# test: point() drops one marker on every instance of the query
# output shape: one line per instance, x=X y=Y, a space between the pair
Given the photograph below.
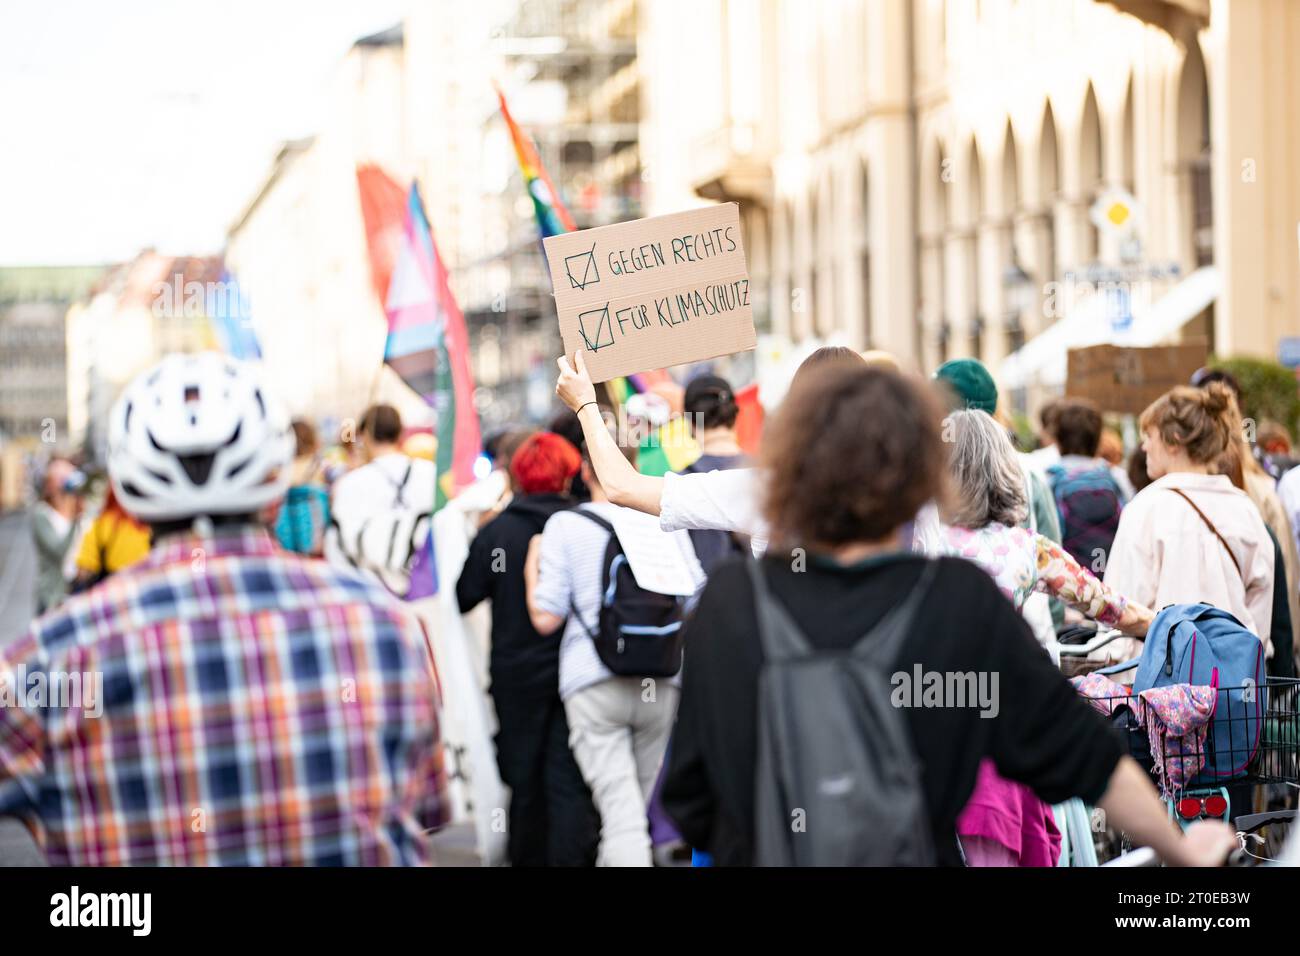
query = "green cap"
x=971 y=382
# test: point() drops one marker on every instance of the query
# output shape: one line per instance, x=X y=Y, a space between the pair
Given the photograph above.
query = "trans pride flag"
x=428 y=346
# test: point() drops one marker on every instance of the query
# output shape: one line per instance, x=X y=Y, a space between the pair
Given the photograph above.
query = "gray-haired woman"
x=1004 y=824
x=981 y=517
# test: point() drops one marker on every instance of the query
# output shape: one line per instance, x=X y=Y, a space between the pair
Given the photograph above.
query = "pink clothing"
x=985 y=852
x=1010 y=815
x=1164 y=554
x=1176 y=719
x=1020 y=562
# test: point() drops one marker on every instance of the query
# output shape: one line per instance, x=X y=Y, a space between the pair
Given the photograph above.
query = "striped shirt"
x=253 y=708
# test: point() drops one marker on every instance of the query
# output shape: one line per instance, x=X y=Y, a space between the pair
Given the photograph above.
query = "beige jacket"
x=1164 y=554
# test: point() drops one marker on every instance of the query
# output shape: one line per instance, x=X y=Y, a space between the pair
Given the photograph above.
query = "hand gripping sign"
x=654 y=292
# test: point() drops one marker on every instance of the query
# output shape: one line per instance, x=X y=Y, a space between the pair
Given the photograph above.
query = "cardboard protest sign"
x=654 y=292
x=1127 y=380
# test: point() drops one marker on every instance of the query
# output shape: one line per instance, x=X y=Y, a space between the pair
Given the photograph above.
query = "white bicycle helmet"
x=198 y=435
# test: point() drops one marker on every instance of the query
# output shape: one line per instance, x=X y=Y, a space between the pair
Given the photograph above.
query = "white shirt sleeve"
x=713 y=501
x=927 y=532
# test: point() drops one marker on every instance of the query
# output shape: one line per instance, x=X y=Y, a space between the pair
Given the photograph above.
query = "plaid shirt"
x=258 y=709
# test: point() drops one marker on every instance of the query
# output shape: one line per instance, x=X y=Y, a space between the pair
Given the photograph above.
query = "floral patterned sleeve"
x=1062 y=577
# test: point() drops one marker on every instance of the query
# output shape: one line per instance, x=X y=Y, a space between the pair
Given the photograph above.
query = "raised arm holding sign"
x=715 y=500
x=624 y=484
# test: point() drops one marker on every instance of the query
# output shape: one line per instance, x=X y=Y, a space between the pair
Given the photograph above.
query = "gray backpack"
x=838 y=782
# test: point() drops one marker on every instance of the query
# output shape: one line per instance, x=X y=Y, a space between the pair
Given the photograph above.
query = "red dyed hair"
x=545 y=463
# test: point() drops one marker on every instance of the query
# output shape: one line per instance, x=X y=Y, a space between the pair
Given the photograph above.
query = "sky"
x=129 y=123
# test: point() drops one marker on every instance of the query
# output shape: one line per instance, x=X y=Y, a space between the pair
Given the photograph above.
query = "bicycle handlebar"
x=1146 y=856
x=1103 y=638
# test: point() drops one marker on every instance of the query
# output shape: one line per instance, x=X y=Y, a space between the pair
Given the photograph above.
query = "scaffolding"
x=587 y=48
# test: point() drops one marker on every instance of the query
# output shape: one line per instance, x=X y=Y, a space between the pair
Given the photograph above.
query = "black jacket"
x=1044 y=735
x=521 y=660
x=1283 y=661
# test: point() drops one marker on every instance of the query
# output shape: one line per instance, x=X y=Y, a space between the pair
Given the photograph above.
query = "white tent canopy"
x=1042 y=360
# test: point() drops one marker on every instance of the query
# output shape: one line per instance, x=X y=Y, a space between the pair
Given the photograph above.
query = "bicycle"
x=1254 y=731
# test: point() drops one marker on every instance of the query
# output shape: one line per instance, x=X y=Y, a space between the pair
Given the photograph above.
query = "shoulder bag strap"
x=573 y=610
x=594 y=517
x=1210 y=524
x=400 y=500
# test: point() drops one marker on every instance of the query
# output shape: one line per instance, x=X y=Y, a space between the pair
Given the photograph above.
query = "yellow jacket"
x=113 y=542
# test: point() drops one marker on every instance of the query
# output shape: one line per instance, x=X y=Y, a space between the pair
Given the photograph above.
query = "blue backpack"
x=1205 y=645
x=304 y=516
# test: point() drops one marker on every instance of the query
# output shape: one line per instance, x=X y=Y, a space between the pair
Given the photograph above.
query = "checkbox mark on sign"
x=595 y=328
x=581 y=269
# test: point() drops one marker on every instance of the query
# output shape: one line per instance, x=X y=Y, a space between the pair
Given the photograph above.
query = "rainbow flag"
x=623 y=388
x=670 y=447
x=552 y=216
x=428 y=346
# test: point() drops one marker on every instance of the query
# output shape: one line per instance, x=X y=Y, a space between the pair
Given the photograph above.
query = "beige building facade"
x=920 y=175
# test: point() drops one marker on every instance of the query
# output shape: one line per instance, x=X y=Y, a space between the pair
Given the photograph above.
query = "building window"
x=1202 y=211
x=1015 y=334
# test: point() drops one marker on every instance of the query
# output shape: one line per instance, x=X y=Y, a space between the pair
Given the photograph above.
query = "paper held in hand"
x=661 y=561
x=654 y=292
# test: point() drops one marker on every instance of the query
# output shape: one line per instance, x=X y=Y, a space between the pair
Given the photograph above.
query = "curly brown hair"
x=851 y=455
x=1198 y=420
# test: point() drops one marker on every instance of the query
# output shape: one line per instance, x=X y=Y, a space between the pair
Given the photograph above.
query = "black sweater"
x=1043 y=735
x=521 y=660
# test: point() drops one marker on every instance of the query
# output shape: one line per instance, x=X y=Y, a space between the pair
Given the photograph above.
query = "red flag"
x=749 y=423
x=383 y=208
